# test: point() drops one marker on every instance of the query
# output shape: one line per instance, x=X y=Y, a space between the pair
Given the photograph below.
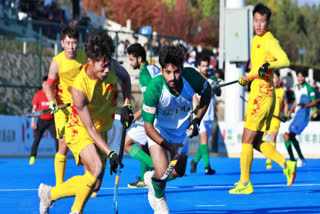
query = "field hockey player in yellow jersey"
x=63 y=69
x=261 y=101
x=94 y=96
x=281 y=104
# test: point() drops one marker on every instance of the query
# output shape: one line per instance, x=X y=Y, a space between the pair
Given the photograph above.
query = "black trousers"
x=42 y=125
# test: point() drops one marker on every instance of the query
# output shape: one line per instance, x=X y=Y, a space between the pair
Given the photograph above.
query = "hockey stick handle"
x=116 y=186
x=123 y=137
x=251 y=77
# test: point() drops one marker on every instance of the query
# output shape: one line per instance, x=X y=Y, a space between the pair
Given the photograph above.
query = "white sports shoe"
x=161 y=206
x=301 y=162
x=44 y=195
x=151 y=193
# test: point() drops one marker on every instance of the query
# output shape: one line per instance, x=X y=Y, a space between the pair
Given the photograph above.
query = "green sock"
x=144 y=168
x=140 y=155
x=198 y=155
x=205 y=154
x=295 y=143
x=159 y=188
x=289 y=149
x=170 y=178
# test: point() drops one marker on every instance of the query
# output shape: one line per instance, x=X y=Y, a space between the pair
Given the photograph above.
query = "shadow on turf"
x=291 y=210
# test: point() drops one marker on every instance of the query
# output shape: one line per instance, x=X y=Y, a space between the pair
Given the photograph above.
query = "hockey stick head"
x=26 y=111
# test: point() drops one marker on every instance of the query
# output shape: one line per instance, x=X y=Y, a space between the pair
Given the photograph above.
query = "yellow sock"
x=270 y=152
x=59 y=167
x=87 y=183
x=274 y=146
x=246 y=157
x=66 y=189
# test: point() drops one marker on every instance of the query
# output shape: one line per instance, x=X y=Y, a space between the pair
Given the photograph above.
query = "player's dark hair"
x=99 y=45
x=44 y=78
x=262 y=9
x=204 y=58
x=276 y=71
x=137 y=50
x=70 y=31
x=172 y=54
x=304 y=74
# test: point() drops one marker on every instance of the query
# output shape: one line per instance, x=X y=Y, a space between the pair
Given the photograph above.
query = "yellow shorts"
x=259 y=113
x=77 y=138
x=60 y=120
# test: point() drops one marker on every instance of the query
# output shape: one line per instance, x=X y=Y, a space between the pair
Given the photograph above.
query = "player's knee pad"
x=180 y=168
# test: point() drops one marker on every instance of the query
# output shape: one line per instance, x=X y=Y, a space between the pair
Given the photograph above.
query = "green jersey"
x=147 y=72
x=172 y=111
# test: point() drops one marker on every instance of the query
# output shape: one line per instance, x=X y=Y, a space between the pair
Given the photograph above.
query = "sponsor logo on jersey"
x=170 y=112
x=151 y=110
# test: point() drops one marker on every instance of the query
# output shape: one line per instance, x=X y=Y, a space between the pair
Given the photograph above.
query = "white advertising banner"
x=230 y=135
x=16 y=138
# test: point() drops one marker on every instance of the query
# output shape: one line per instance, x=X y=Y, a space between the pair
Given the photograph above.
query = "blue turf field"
x=195 y=193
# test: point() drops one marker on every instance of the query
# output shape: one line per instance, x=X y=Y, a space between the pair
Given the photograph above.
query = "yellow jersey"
x=261 y=101
x=68 y=70
x=264 y=49
x=102 y=99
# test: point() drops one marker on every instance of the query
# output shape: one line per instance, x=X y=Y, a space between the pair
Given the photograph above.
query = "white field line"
x=177 y=187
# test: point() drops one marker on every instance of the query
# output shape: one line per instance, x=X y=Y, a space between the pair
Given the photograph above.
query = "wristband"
x=51 y=82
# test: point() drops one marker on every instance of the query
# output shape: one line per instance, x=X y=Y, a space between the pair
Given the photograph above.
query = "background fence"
x=27 y=48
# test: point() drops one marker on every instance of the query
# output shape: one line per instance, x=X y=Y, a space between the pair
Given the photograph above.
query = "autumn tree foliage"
x=181 y=20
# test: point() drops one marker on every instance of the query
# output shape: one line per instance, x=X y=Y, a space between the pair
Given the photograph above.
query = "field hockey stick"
x=139 y=123
x=174 y=161
x=235 y=81
x=27 y=112
x=243 y=99
x=116 y=183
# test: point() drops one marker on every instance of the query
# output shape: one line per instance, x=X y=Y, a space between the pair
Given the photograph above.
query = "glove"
x=216 y=88
x=263 y=69
x=53 y=106
x=171 y=147
x=243 y=82
x=284 y=118
x=114 y=161
x=126 y=115
x=193 y=125
x=302 y=105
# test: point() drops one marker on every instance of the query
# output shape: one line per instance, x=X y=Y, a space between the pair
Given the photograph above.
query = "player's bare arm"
x=81 y=103
x=293 y=107
x=125 y=82
x=153 y=133
x=137 y=115
x=311 y=104
x=53 y=75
